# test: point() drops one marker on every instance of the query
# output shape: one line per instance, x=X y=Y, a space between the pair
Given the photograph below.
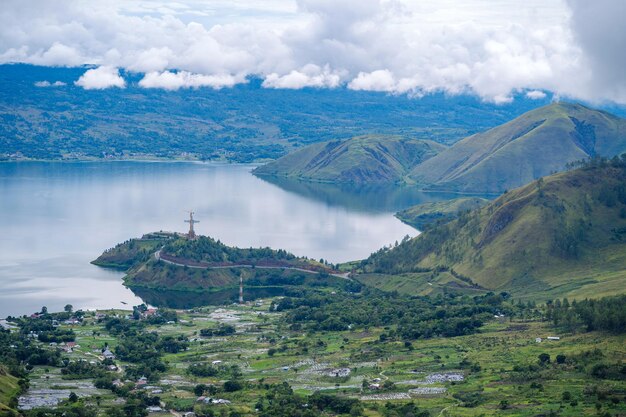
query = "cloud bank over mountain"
x=572 y=48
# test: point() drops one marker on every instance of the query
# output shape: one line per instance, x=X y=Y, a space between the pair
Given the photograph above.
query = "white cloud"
x=309 y=76
x=535 y=95
x=175 y=80
x=599 y=29
x=493 y=49
x=379 y=80
x=49 y=84
x=101 y=78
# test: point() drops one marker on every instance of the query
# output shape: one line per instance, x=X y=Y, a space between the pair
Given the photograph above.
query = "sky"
x=491 y=48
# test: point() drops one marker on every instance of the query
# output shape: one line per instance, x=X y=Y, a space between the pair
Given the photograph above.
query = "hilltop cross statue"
x=191 y=221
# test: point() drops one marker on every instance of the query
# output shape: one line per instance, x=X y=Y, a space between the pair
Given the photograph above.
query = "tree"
x=68 y=308
x=544 y=358
x=199 y=389
x=232 y=386
x=44 y=310
x=73 y=397
x=560 y=359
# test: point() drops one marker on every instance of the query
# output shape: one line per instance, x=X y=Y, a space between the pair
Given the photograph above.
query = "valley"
x=312 y=208
x=242 y=358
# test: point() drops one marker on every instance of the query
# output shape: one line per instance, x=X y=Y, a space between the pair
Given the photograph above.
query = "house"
x=108 y=354
x=156 y=391
x=554 y=338
x=117 y=383
x=141 y=382
x=189 y=414
x=374 y=386
x=538 y=340
x=216 y=401
x=70 y=346
x=112 y=368
x=154 y=409
x=216 y=362
x=221 y=401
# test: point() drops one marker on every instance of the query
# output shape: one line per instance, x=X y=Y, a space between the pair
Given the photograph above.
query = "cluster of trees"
x=608 y=314
x=82 y=369
x=281 y=401
x=144 y=349
x=206 y=249
x=44 y=325
x=18 y=353
x=413 y=317
x=221 y=330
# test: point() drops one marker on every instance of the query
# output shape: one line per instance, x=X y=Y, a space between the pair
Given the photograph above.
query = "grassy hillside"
x=427 y=214
x=9 y=388
x=535 y=144
x=563 y=235
x=363 y=159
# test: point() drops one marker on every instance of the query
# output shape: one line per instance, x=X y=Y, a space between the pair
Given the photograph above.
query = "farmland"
x=239 y=357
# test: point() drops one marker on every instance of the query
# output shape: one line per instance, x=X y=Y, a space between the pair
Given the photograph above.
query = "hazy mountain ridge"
x=564 y=234
x=240 y=124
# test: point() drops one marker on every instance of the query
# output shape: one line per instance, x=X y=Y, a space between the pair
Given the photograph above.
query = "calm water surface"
x=57 y=217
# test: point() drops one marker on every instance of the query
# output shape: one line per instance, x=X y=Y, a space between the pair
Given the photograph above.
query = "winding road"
x=157 y=256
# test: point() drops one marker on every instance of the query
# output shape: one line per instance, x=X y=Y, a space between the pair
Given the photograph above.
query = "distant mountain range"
x=45 y=116
x=562 y=235
x=539 y=142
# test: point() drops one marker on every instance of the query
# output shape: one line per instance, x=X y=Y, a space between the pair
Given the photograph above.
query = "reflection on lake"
x=377 y=198
x=57 y=217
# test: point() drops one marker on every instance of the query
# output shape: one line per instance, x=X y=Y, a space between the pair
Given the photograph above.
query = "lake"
x=56 y=217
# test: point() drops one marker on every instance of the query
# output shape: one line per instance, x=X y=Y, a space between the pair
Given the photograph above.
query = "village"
x=225 y=356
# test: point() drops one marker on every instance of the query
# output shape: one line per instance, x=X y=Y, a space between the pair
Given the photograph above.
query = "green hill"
x=563 y=235
x=538 y=143
x=363 y=159
x=168 y=261
x=425 y=215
